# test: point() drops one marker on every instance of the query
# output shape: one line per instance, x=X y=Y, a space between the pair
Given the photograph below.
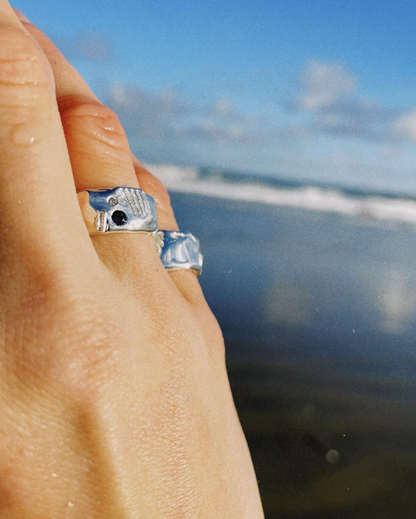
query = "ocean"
x=315 y=289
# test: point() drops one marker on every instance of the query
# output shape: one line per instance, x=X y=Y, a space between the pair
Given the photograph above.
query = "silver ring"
x=121 y=209
x=180 y=251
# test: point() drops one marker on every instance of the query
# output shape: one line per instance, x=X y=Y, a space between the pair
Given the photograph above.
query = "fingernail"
x=21 y=16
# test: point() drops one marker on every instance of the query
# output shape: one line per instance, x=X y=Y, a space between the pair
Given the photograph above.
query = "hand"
x=114 y=397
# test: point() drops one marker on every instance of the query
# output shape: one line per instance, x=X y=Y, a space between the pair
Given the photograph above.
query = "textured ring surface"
x=121 y=209
x=180 y=251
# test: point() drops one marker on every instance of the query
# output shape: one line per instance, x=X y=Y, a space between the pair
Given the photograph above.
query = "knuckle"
x=26 y=81
x=216 y=336
x=161 y=192
x=85 y=364
x=22 y=63
x=93 y=120
x=211 y=331
x=49 y=49
x=79 y=364
x=157 y=188
x=61 y=339
x=215 y=343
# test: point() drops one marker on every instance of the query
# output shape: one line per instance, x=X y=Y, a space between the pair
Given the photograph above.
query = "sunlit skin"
x=114 y=396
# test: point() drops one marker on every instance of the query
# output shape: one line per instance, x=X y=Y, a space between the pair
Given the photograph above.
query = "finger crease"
x=18 y=60
x=103 y=139
x=95 y=116
x=23 y=83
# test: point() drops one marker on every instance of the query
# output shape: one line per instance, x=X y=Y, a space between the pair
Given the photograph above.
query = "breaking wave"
x=278 y=192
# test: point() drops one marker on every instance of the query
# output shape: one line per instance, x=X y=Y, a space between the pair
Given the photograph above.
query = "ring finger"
x=100 y=157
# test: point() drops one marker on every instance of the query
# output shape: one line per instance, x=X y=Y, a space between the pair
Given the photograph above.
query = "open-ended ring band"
x=129 y=209
x=121 y=209
x=180 y=251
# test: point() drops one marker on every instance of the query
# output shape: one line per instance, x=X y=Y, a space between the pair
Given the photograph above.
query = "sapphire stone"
x=119 y=218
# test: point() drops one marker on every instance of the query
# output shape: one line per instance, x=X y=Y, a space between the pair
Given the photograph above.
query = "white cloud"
x=223 y=108
x=86 y=45
x=215 y=130
x=94 y=46
x=165 y=115
x=405 y=125
x=155 y=115
x=324 y=84
x=165 y=126
x=165 y=103
x=328 y=94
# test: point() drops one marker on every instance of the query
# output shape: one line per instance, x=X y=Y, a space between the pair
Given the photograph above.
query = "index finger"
x=70 y=83
x=40 y=214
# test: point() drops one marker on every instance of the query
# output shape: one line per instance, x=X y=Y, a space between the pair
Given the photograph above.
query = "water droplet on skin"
x=26 y=134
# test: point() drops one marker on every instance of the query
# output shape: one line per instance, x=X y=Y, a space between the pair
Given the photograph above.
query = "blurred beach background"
x=286 y=135
x=315 y=290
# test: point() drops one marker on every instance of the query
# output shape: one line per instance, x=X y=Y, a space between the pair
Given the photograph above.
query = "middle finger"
x=100 y=158
x=72 y=89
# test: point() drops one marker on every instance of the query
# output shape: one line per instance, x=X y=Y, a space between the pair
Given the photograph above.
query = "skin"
x=114 y=396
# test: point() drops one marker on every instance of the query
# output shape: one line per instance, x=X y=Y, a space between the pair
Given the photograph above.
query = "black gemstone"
x=119 y=217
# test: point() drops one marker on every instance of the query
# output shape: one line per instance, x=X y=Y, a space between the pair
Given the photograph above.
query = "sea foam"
x=313 y=198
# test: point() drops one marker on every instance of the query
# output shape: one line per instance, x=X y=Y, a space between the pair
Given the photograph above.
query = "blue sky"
x=317 y=90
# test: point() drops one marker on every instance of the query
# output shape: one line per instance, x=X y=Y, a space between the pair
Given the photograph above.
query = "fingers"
x=158 y=191
x=20 y=15
x=100 y=158
x=185 y=280
x=40 y=216
x=96 y=164
x=97 y=143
